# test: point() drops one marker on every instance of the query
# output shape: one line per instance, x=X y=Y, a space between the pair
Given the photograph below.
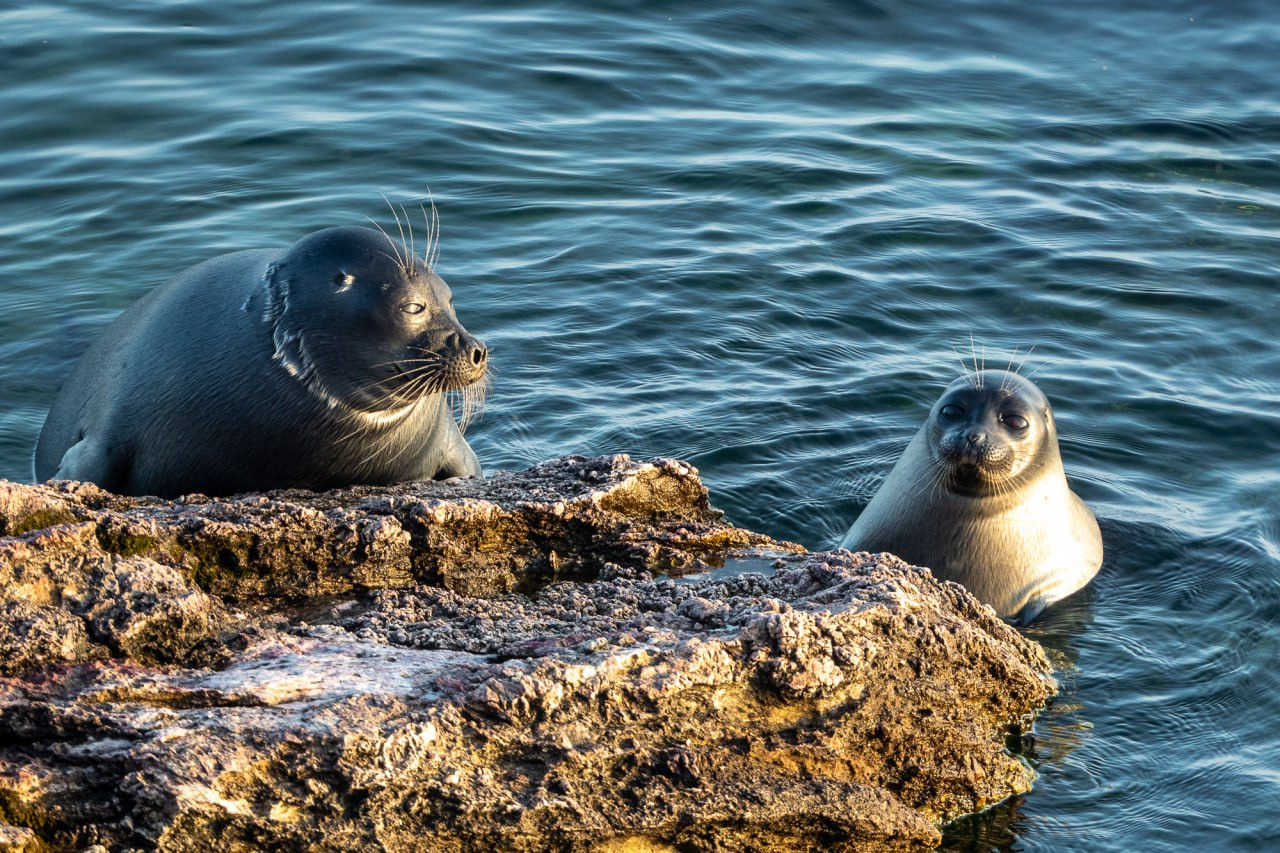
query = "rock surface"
x=499 y=665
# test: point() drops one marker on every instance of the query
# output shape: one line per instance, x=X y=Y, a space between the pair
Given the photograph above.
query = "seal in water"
x=979 y=496
x=325 y=364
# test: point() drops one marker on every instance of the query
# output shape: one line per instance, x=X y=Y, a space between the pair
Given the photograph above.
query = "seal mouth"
x=969 y=476
x=973 y=469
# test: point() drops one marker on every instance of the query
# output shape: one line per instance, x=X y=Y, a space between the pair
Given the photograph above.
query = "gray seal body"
x=979 y=496
x=317 y=366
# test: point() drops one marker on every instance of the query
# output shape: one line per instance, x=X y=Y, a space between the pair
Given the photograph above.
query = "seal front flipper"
x=458 y=459
x=91 y=461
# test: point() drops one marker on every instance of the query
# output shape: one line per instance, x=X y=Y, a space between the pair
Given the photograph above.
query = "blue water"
x=761 y=238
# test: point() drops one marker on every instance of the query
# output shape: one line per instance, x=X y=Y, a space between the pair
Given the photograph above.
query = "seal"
x=980 y=497
x=325 y=364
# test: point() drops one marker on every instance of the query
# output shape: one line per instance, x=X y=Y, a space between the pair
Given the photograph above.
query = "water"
x=760 y=238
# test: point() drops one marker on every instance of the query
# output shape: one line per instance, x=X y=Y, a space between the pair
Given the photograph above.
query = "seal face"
x=322 y=365
x=985 y=440
x=980 y=497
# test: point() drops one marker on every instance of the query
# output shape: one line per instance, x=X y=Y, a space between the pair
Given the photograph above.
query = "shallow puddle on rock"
x=764 y=564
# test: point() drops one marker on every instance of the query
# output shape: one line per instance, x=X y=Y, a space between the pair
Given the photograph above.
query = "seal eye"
x=952 y=412
x=343 y=279
x=1017 y=423
x=413 y=308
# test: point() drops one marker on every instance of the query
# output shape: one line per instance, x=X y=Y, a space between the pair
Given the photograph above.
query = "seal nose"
x=975 y=436
x=468 y=350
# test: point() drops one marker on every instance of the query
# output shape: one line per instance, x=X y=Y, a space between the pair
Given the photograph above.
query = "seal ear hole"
x=344 y=280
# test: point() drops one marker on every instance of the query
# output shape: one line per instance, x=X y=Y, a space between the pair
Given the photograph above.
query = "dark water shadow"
x=1047 y=741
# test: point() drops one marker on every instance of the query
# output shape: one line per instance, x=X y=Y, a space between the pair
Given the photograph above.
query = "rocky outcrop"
x=581 y=656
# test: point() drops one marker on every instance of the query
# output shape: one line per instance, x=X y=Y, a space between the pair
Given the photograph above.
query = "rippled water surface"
x=761 y=238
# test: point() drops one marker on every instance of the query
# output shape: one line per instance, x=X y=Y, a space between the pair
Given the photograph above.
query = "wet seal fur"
x=328 y=363
x=979 y=496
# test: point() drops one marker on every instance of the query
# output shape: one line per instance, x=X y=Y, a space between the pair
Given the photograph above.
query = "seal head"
x=365 y=327
x=986 y=440
x=980 y=497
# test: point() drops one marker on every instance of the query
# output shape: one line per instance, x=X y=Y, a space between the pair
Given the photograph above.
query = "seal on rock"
x=979 y=496
x=321 y=365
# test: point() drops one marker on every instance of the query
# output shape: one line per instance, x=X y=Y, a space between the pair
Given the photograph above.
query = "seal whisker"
x=430 y=228
x=922 y=482
x=964 y=368
x=380 y=446
x=1008 y=368
x=424 y=381
x=1018 y=369
x=976 y=375
x=412 y=254
x=925 y=483
x=424 y=368
x=392 y=243
x=430 y=248
x=421 y=380
x=426 y=359
x=398 y=248
x=366 y=428
x=367 y=424
x=425 y=249
x=471 y=402
x=404 y=263
x=431 y=251
x=417 y=381
x=426 y=355
x=414 y=364
x=435 y=237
